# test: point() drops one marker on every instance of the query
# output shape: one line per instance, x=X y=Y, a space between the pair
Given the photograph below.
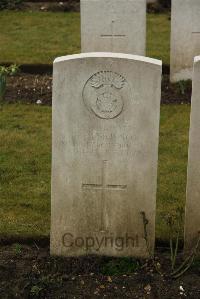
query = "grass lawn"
x=39 y=37
x=25 y=158
x=25 y=161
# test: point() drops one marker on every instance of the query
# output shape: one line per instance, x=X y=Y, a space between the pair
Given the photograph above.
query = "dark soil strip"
x=30 y=272
x=46 y=69
x=71 y=5
x=42 y=241
x=41 y=69
x=51 y=1
x=29 y=88
x=43 y=5
x=34 y=69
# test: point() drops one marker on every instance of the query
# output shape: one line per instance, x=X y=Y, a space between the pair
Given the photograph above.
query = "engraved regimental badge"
x=102 y=94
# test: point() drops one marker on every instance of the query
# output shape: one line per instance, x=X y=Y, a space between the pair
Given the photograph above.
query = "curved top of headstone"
x=109 y=55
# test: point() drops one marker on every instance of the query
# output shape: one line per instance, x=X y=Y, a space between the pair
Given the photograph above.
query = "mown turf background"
x=25 y=161
x=39 y=37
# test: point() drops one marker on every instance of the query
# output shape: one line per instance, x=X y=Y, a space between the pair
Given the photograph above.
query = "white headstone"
x=106 y=110
x=113 y=26
x=185 y=38
x=192 y=220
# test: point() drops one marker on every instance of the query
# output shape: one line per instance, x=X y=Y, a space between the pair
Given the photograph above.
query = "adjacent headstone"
x=192 y=220
x=113 y=26
x=185 y=38
x=106 y=110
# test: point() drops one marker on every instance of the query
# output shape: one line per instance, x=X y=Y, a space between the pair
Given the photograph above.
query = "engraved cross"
x=103 y=187
x=112 y=35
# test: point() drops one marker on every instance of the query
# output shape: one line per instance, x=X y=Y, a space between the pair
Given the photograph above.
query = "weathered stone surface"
x=185 y=38
x=192 y=219
x=113 y=26
x=106 y=110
